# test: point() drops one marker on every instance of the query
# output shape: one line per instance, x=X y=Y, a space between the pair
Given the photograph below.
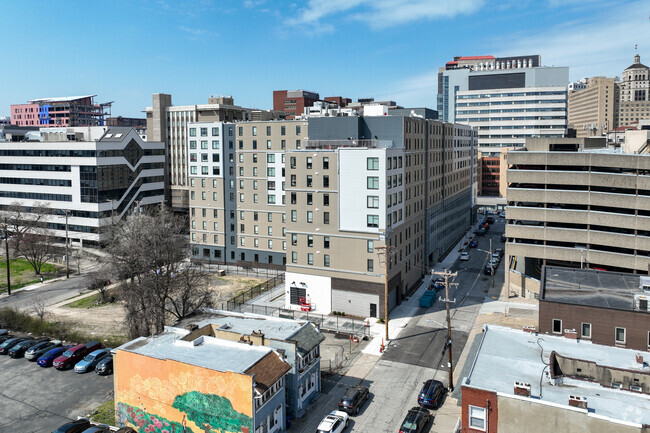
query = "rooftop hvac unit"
x=642 y=302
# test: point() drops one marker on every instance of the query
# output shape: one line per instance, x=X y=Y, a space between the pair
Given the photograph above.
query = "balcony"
x=334 y=144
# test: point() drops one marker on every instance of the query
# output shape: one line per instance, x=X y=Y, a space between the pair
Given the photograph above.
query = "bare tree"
x=27 y=227
x=39 y=308
x=100 y=279
x=149 y=254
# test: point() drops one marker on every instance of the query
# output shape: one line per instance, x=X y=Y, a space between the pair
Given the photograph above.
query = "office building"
x=634 y=102
x=60 y=112
x=182 y=380
x=287 y=193
x=592 y=109
x=297 y=341
x=520 y=381
x=95 y=175
x=602 y=307
x=507 y=100
x=132 y=122
x=169 y=124
x=574 y=202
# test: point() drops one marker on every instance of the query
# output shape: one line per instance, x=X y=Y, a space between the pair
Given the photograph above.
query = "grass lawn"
x=105 y=414
x=22 y=273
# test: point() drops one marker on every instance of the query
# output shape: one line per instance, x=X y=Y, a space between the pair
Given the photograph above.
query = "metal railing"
x=247 y=295
x=352 y=142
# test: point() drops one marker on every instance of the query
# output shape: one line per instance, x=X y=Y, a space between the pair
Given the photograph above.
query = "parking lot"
x=38 y=400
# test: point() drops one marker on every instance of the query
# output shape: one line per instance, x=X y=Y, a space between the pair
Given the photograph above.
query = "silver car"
x=91 y=360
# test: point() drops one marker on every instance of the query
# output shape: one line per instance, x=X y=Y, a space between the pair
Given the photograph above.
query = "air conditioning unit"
x=642 y=302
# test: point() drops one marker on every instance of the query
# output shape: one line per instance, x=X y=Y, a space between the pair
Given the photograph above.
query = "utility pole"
x=386 y=251
x=491 y=263
x=67 y=255
x=6 y=231
x=446 y=275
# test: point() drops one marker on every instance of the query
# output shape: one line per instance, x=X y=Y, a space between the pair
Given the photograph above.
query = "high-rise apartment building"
x=58 y=112
x=592 y=109
x=169 y=124
x=94 y=174
x=322 y=195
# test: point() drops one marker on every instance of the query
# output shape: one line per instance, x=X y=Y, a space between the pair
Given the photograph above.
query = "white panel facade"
x=318 y=289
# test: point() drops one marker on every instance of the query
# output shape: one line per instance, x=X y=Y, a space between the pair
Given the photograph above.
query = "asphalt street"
x=51 y=292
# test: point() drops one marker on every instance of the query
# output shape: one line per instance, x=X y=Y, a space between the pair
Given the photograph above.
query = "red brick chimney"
x=522 y=388
x=571 y=333
x=577 y=401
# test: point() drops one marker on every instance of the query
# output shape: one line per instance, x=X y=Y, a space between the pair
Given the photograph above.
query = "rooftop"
x=207 y=352
x=591 y=287
x=506 y=356
x=62 y=99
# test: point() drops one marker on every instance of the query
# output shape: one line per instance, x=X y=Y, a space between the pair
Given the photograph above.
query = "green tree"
x=212 y=409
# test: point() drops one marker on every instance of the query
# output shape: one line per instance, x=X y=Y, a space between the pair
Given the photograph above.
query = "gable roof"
x=267 y=371
x=307 y=338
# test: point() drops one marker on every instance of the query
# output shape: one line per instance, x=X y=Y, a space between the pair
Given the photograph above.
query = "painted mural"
x=165 y=396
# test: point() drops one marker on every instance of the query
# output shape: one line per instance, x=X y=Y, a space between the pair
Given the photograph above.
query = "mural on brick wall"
x=158 y=396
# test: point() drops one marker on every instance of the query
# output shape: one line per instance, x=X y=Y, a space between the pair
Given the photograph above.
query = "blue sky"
x=125 y=50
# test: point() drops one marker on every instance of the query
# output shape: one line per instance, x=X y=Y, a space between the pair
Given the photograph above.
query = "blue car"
x=91 y=360
x=473 y=244
x=46 y=359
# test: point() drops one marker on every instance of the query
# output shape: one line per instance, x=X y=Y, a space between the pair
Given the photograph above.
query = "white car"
x=464 y=256
x=335 y=422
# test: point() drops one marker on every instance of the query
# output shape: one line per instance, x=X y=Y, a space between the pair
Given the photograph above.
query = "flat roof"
x=245 y=323
x=590 y=287
x=507 y=355
x=208 y=352
x=62 y=99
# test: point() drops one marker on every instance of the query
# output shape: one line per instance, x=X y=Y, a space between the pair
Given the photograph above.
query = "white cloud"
x=383 y=13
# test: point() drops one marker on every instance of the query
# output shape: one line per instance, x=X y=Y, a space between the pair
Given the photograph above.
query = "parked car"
x=126 y=430
x=416 y=419
x=335 y=422
x=473 y=243
x=437 y=284
x=98 y=284
x=18 y=351
x=6 y=337
x=502 y=214
x=104 y=366
x=480 y=232
x=502 y=238
x=494 y=261
x=431 y=394
x=75 y=354
x=353 y=399
x=8 y=344
x=500 y=252
x=496 y=256
x=489 y=220
x=97 y=429
x=46 y=359
x=35 y=352
x=91 y=360
x=3 y=332
x=74 y=427
x=464 y=256
x=488 y=270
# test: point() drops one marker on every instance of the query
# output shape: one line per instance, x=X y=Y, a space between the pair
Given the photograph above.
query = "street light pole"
x=6 y=231
x=446 y=274
x=67 y=255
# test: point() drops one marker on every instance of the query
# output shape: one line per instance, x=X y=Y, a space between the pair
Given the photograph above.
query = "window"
x=270 y=158
x=283 y=131
x=371 y=246
x=309 y=162
x=309 y=180
x=326 y=163
x=371 y=265
x=372 y=220
x=326 y=217
x=270 y=185
x=310 y=258
x=204 y=132
x=193 y=133
x=270 y=244
x=373 y=202
x=215 y=132
x=204 y=157
x=297 y=129
x=268 y=144
x=294 y=216
x=270 y=199
x=192 y=144
x=204 y=144
x=310 y=216
x=294 y=239
x=557 y=326
x=192 y=157
x=254 y=130
x=241 y=157
x=293 y=180
x=326 y=260
x=254 y=171
x=269 y=230
x=293 y=198
x=619 y=335
x=310 y=240
x=292 y=162
x=326 y=242
x=310 y=198
x=477 y=417
x=268 y=130
x=255 y=184
x=242 y=241
x=373 y=182
x=270 y=217
x=294 y=254
x=326 y=199
x=216 y=227
x=586 y=330
x=203 y=195
x=372 y=163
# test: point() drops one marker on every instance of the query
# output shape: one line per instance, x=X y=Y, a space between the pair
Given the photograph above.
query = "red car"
x=75 y=354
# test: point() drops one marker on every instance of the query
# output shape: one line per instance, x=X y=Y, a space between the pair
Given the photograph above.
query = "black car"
x=488 y=270
x=8 y=344
x=18 y=351
x=431 y=394
x=6 y=337
x=416 y=419
x=74 y=427
x=502 y=238
x=126 y=430
x=489 y=220
x=354 y=397
x=105 y=366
